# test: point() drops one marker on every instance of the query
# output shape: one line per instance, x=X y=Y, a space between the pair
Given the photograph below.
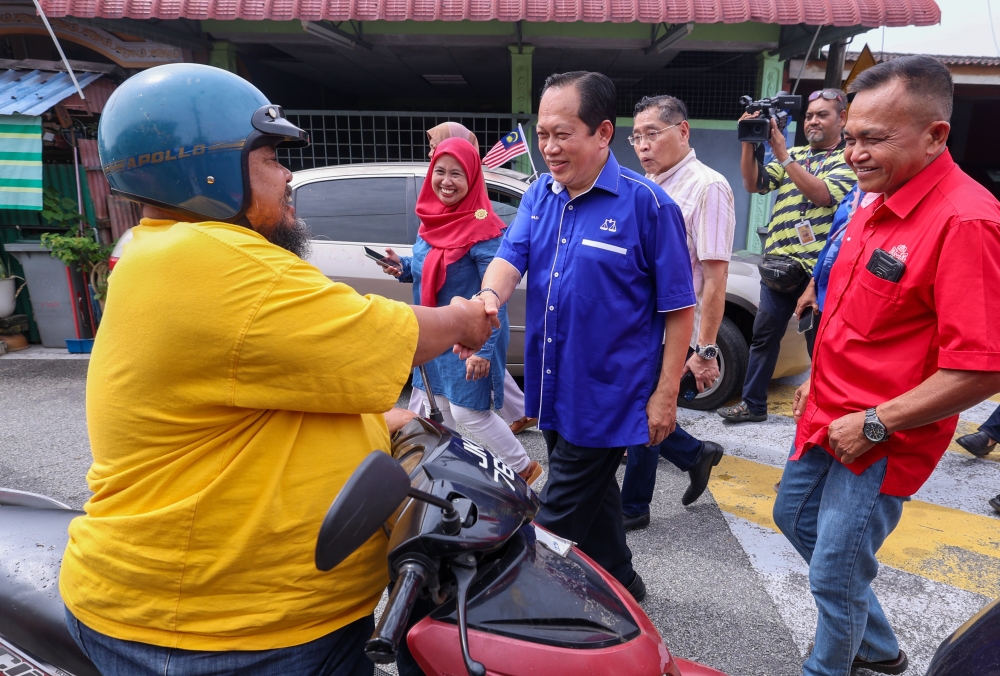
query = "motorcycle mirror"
x=365 y=502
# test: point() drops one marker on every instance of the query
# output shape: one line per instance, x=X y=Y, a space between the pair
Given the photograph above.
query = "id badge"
x=805 y=232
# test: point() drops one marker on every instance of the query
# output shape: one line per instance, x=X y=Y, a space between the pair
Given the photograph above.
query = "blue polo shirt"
x=605 y=266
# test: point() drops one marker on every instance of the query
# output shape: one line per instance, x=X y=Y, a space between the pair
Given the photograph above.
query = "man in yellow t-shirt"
x=232 y=391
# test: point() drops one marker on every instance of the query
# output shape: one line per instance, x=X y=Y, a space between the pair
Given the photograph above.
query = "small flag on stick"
x=507 y=148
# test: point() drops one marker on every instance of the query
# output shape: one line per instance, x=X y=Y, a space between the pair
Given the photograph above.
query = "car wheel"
x=733 y=355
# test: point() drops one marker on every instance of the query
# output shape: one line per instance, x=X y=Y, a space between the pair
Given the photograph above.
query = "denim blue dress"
x=447 y=372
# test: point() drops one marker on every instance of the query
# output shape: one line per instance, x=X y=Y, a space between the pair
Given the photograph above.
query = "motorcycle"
x=504 y=596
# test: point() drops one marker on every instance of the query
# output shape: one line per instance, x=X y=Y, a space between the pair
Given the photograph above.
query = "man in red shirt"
x=909 y=339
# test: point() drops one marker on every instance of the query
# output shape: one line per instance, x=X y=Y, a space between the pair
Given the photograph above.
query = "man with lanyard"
x=661 y=139
x=232 y=391
x=609 y=274
x=908 y=341
x=811 y=181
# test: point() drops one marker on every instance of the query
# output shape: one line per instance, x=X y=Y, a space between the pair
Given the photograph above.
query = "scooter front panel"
x=535 y=595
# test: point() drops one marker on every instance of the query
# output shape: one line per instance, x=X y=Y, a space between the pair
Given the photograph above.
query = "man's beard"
x=292 y=237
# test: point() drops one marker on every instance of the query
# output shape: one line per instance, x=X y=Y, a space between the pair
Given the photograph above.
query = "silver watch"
x=874 y=430
x=708 y=352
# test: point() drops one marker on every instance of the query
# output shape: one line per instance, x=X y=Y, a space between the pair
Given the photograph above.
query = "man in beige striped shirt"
x=661 y=139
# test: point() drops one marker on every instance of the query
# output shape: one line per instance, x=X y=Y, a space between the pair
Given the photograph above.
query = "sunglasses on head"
x=828 y=94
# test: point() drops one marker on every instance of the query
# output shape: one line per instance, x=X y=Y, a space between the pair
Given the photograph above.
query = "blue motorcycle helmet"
x=178 y=137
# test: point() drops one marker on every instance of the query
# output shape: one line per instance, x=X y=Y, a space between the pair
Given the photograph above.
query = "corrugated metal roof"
x=33 y=92
x=871 y=13
x=97 y=94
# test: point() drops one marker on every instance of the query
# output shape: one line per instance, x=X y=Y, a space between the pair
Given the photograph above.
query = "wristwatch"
x=709 y=352
x=874 y=429
x=788 y=160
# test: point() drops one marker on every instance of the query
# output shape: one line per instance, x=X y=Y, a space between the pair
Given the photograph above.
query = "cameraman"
x=810 y=180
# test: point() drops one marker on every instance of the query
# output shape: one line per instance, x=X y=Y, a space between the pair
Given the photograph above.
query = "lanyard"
x=809 y=167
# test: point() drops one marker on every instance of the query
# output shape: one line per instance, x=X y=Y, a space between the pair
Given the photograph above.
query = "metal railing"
x=350 y=136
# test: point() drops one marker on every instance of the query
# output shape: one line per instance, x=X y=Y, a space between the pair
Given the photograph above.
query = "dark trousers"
x=992 y=425
x=339 y=653
x=680 y=448
x=581 y=502
x=769 y=327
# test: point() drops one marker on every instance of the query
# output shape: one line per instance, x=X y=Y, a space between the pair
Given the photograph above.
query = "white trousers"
x=513 y=399
x=486 y=426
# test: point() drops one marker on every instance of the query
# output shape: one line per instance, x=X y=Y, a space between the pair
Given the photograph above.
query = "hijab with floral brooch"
x=452 y=230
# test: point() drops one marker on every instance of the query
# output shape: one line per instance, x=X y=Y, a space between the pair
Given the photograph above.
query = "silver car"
x=352 y=206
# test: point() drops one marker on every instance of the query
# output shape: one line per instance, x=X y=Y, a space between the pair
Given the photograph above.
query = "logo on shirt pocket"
x=610 y=225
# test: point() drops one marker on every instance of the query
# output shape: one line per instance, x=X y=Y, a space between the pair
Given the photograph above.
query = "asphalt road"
x=723 y=588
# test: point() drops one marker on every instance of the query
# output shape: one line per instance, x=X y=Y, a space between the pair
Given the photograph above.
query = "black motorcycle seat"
x=32 y=614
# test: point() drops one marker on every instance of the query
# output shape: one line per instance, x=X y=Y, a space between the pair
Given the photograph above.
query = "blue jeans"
x=838 y=521
x=679 y=448
x=340 y=653
x=769 y=327
x=992 y=425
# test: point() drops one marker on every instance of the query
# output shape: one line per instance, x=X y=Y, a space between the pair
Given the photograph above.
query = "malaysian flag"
x=506 y=149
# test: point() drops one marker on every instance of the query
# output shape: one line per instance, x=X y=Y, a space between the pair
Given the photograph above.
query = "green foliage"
x=80 y=252
x=59 y=211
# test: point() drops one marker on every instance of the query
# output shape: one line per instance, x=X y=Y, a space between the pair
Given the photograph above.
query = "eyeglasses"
x=636 y=139
x=828 y=94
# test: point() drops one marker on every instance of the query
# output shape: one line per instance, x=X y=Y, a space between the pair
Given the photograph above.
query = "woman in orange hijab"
x=450 y=130
x=458 y=237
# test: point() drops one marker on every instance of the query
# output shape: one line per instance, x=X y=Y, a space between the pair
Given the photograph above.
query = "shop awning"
x=870 y=13
x=34 y=92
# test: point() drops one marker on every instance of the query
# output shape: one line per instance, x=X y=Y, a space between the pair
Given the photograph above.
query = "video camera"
x=758 y=130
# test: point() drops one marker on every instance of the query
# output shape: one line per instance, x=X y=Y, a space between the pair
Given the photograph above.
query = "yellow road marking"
x=780 y=399
x=995 y=398
x=939 y=543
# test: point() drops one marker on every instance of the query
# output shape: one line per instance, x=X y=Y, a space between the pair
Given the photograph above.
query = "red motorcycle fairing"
x=435 y=646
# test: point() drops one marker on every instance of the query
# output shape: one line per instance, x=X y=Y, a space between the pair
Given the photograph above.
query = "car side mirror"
x=367 y=500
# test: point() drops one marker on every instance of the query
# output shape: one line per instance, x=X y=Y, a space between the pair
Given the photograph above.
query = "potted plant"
x=8 y=291
x=81 y=251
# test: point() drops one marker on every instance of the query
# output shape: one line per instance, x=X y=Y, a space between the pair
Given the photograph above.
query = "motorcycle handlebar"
x=382 y=646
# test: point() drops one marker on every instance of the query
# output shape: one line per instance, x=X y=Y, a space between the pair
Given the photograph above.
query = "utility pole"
x=835 y=65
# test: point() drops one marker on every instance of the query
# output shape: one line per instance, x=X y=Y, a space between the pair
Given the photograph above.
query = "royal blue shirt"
x=828 y=255
x=605 y=266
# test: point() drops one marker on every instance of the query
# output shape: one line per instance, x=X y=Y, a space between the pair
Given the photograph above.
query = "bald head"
x=926 y=82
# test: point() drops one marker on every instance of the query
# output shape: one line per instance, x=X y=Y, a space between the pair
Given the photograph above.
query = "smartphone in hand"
x=689 y=387
x=806 y=322
x=384 y=261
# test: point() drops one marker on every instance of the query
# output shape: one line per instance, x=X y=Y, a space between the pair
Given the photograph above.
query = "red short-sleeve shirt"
x=880 y=339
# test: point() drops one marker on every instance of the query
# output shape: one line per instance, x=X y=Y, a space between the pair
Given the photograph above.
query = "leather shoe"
x=636 y=522
x=711 y=454
x=637 y=588
x=896 y=666
x=977 y=443
x=995 y=503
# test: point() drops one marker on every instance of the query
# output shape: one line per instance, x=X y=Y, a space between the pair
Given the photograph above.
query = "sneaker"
x=741 y=413
x=995 y=503
x=532 y=474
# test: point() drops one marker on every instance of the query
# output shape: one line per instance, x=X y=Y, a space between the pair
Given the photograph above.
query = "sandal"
x=523 y=424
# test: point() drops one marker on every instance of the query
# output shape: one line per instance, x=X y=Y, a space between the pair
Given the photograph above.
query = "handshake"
x=477 y=317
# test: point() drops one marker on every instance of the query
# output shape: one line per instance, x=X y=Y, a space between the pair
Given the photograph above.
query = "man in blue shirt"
x=610 y=273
